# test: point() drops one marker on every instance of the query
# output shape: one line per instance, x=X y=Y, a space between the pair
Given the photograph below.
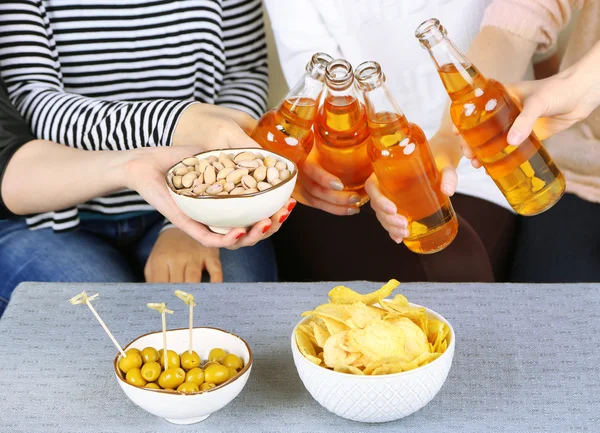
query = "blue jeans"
x=105 y=251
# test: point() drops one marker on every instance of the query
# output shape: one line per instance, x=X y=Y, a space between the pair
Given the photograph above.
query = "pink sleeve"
x=537 y=20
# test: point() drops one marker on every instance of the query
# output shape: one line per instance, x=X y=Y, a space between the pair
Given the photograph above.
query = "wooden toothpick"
x=162 y=308
x=189 y=300
x=83 y=298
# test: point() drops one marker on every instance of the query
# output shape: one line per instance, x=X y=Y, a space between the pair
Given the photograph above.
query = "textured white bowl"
x=223 y=213
x=375 y=398
x=191 y=408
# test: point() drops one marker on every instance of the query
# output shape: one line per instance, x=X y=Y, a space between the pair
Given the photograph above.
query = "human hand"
x=214 y=127
x=552 y=105
x=177 y=258
x=322 y=190
x=386 y=211
x=144 y=172
x=446 y=151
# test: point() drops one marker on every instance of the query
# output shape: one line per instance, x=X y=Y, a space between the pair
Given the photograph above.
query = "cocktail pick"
x=83 y=298
x=189 y=300
x=162 y=309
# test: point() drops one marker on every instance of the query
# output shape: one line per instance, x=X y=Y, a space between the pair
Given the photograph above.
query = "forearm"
x=43 y=176
x=586 y=71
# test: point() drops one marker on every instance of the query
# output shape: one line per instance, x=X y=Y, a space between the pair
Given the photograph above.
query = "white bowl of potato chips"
x=371 y=359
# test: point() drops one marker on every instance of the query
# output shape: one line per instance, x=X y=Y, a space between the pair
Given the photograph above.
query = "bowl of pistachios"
x=229 y=188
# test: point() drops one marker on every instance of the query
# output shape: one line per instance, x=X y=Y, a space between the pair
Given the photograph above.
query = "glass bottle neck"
x=307 y=91
x=457 y=73
x=459 y=76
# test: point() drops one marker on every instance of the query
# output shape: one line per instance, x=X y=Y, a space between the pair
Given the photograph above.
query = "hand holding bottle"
x=556 y=103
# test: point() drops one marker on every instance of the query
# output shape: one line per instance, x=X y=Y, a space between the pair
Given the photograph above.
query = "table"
x=527 y=358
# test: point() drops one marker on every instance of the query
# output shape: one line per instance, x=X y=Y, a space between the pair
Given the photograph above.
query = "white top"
x=383 y=30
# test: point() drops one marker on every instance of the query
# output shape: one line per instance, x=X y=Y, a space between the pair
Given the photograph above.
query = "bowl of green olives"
x=195 y=384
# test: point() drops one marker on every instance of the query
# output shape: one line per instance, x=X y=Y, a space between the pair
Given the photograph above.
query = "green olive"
x=232 y=372
x=190 y=360
x=195 y=375
x=216 y=354
x=133 y=350
x=132 y=360
x=216 y=374
x=134 y=377
x=151 y=371
x=171 y=378
x=152 y=385
x=172 y=359
x=232 y=361
x=206 y=386
x=188 y=388
x=210 y=363
x=149 y=354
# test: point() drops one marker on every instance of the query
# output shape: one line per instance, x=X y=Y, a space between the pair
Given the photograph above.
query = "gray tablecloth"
x=527 y=358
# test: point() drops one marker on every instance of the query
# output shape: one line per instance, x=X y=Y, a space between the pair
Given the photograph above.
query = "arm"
x=246 y=79
x=32 y=72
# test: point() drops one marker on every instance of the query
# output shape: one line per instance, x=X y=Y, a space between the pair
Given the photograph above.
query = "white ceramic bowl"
x=222 y=213
x=191 y=408
x=375 y=398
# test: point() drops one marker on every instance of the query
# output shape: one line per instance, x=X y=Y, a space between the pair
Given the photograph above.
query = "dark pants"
x=105 y=251
x=561 y=245
x=316 y=246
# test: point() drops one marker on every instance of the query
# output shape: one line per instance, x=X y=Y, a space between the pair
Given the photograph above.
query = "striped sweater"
x=116 y=75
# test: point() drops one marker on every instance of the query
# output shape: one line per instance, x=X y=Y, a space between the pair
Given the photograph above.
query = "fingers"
x=313 y=170
x=396 y=226
x=449 y=181
x=522 y=127
x=532 y=108
x=265 y=228
x=280 y=217
x=214 y=269
x=193 y=272
x=176 y=271
x=156 y=271
x=341 y=198
x=379 y=202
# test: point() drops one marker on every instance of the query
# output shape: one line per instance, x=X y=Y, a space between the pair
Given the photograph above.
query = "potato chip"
x=304 y=345
x=333 y=354
x=345 y=295
x=308 y=330
x=341 y=368
x=363 y=314
x=333 y=326
x=314 y=359
x=379 y=339
x=353 y=335
x=372 y=366
x=321 y=334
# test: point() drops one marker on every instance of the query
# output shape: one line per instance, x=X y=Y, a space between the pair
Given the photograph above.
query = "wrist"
x=125 y=166
x=186 y=126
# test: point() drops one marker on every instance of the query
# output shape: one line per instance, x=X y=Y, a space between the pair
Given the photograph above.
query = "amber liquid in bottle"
x=287 y=130
x=408 y=176
x=483 y=112
x=342 y=138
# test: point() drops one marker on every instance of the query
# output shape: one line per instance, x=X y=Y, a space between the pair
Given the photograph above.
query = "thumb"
x=531 y=107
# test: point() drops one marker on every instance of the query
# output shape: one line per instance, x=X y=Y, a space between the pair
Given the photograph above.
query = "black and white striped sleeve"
x=31 y=70
x=246 y=79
